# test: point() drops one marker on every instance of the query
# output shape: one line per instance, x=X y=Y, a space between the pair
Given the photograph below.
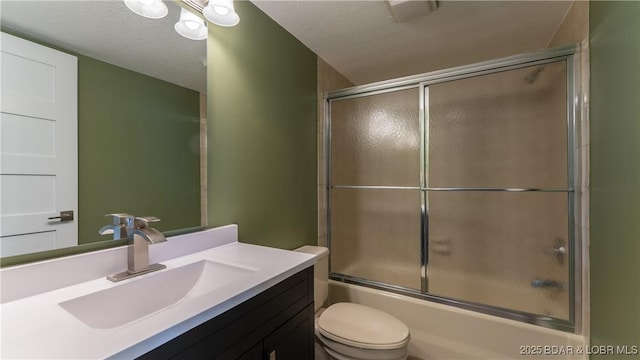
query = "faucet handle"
x=118 y=231
x=107 y=229
x=120 y=219
x=142 y=222
x=119 y=227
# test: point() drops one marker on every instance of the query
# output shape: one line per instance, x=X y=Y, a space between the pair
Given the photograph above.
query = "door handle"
x=66 y=215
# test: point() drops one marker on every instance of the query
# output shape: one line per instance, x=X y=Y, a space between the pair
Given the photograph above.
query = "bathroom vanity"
x=217 y=298
x=275 y=324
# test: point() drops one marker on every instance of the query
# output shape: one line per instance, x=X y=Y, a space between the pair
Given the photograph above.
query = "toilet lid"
x=362 y=326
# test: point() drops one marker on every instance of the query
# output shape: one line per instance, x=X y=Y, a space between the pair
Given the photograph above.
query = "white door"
x=38 y=147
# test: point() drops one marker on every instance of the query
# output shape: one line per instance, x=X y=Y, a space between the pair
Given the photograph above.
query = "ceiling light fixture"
x=152 y=9
x=221 y=12
x=191 y=26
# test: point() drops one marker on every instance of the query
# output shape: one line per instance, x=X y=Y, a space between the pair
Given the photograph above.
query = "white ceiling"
x=362 y=41
x=358 y=38
x=107 y=30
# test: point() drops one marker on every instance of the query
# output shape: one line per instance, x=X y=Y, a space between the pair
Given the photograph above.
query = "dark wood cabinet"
x=275 y=324
x=294 y=340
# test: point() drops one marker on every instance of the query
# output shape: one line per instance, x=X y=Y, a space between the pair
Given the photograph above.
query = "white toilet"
x=349 y=331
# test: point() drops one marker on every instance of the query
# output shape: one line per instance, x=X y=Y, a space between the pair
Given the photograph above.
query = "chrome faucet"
x=140 y=235
x=119 y=227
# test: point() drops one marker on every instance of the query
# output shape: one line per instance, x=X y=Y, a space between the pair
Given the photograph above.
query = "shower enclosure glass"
x=458 y=187
x=375 y=172
x=487 y=135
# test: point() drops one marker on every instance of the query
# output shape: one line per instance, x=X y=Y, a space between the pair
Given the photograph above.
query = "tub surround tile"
x=328 y=79
x=320 y=141
x=575 y=26
x=321 y=171
x=322 y=241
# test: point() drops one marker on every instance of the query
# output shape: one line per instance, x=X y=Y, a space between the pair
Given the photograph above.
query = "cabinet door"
x=282 y=315
x=254 y=354
x=294 y=340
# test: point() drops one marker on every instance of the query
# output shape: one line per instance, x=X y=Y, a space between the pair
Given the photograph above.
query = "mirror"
x=140 y=88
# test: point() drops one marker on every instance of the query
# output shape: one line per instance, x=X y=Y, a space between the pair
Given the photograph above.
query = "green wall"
x=262 y=132
x=138 y=151
x=615 y=173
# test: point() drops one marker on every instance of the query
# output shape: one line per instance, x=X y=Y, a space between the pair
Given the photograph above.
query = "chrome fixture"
x=140 y=235
x=190 y=25
x=119 y=227
x=558 y=250
x=547 y=284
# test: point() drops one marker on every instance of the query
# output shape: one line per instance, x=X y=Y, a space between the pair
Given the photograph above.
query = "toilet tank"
x=320 y=273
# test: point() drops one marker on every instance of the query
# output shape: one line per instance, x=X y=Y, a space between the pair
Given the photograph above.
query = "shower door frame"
x=570 y=54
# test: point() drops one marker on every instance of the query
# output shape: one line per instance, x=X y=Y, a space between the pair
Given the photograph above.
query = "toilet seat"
x=362 y=327
x=340 y=351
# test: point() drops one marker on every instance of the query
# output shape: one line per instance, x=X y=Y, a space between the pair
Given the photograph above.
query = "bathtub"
x=445 y=332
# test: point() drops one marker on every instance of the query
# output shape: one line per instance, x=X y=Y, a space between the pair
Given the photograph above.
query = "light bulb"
x=221 y=12
x=152 y=9
x=191 y=26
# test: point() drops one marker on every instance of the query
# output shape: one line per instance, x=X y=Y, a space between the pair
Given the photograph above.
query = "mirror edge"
x=84 y=248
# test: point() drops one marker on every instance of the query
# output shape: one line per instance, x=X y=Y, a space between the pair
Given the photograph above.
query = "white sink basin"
x=122 y=304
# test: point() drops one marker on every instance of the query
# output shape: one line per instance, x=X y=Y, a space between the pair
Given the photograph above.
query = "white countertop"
x=36 y=327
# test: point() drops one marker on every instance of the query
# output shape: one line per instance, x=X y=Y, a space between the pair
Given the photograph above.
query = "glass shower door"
x=374 y=197
x=459 y=187
x=498 y=190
